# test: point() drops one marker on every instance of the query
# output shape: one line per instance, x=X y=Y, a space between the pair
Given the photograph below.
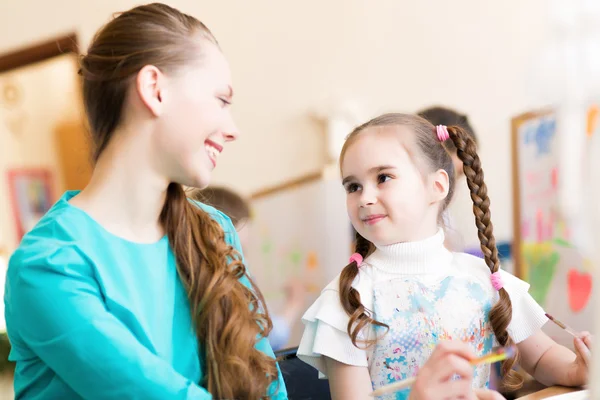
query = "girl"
x=127 y=290
x=403 y=292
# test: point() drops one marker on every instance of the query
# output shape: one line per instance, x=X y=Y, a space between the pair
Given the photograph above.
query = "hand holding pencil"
x=583 y=343
x=435 y=377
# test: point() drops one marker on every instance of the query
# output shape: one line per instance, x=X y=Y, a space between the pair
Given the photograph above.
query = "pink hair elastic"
x=357 y=258
x=442 y=133
x=497 y=281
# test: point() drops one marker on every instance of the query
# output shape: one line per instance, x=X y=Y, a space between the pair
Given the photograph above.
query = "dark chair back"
x=301 y=380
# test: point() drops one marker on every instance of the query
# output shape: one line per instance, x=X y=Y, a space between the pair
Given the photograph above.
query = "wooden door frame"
x=39 y=52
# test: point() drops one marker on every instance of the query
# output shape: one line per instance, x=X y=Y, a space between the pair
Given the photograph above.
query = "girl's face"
x=389 y=199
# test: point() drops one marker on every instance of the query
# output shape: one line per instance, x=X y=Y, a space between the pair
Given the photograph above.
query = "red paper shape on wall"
x=579 y=285
x=554 y=178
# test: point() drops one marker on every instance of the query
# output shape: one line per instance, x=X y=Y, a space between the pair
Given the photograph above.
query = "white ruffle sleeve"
x=325 y=330
x=528 y=316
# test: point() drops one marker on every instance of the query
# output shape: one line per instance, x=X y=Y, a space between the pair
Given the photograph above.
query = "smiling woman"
x=149 y=286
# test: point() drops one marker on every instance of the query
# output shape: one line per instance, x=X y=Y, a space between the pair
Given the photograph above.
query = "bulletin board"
x=544 y=255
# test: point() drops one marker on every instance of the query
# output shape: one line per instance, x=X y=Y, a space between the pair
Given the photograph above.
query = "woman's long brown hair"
x=437 y=157
x=229 y=317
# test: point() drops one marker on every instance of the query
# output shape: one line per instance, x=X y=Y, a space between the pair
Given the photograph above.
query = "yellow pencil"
x=499 y=355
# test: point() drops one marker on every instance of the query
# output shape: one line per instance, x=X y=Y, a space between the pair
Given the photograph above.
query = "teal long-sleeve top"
x=91 y=315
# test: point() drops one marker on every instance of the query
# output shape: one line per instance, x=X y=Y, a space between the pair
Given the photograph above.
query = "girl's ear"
x=439 y=185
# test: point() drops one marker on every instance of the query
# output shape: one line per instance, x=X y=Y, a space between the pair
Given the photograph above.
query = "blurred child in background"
x=238 y=209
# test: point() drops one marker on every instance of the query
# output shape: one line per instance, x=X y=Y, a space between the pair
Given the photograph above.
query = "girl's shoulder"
x=363 y=282
x=477 y=268
x=329 y=303
x=471 y=265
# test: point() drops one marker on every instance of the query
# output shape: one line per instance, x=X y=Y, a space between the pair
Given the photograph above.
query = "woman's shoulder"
x=220 y=217
x=50 y=248
x=61 y=228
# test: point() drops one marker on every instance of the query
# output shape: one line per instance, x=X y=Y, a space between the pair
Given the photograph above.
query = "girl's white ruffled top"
x=425 y=294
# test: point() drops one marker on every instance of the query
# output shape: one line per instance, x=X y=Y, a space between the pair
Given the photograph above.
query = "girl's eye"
x=383 y=178
x=351 y=187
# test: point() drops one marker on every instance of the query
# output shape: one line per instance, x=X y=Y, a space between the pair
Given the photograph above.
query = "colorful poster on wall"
x=545 y=256
x=31 y=197
x=537 y=222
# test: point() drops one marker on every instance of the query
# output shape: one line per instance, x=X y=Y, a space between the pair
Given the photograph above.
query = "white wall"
x=290 y=57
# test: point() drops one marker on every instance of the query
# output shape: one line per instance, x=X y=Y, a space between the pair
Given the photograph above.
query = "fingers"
x=587 y=338
x=458 y=348
x=434 y=380
x=582 y=351
x=453 y=365
x=449 y=359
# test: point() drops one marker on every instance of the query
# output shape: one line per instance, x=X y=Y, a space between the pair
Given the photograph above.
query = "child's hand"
x=435 y=378
x=581 y=365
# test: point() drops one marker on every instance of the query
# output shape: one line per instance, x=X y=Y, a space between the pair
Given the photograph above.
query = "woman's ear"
x=149 y=87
